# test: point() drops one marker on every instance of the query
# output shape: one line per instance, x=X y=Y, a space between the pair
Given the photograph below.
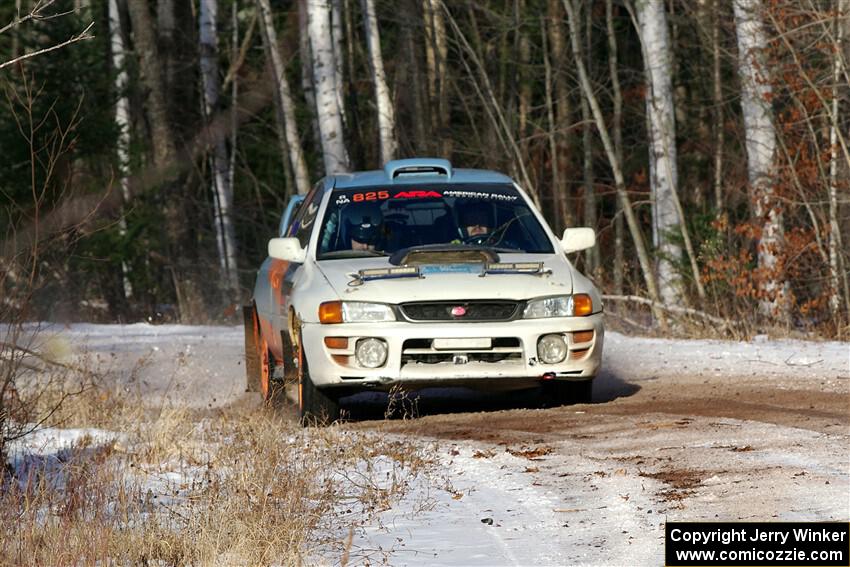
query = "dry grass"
x=236 y=486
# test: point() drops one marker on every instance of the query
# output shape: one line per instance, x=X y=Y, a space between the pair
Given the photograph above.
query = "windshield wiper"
x=508 y=250
x=353 y=254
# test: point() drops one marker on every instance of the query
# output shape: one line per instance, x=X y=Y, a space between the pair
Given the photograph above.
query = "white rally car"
x=421 y=275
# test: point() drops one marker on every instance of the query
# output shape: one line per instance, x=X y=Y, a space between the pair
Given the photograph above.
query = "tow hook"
x=548 y=376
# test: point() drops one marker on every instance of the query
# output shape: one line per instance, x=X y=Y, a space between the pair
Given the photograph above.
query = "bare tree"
x=308 y=89
x=166 y=31
x=383 y=98
x=436 y=54
x=164 y=152
x=494 y=110
x=328 y=108
x=617 y=127
x=284 y=100
x=122 y=120
x=835 y=241
x=337 y=36
x=760 y=135
x=561 y=102
x=163 y=144
x=616 y=166
x=221 y=188
x=588 y=178
x=551 y=135
x=717 y=100
x=655 y=38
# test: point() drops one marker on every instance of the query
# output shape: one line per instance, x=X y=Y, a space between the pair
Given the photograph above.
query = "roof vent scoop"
x=417 y=167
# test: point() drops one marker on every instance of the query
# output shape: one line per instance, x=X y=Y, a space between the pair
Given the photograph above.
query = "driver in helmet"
x=364 y=225
x=475 y=220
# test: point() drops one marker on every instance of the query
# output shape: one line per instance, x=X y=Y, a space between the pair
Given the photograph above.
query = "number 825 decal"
x=370 y=196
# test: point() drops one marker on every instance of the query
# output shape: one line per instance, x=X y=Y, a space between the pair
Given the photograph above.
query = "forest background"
x=146 y=158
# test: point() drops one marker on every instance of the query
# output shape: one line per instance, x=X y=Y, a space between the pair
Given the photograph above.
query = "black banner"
x=763 y=544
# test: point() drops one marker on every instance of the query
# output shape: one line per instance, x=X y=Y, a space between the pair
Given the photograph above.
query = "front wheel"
x=315 y=407
x=564 y=392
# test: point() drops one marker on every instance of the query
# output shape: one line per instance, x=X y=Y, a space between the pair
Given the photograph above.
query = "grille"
x=475 y=310
x=504 y=349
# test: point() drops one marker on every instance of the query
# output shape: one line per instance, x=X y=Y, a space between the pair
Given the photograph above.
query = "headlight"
x=354 y=312
x=577 y=305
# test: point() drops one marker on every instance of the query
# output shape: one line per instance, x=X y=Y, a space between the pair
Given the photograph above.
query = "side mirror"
x=287 y=249
x=576 y=239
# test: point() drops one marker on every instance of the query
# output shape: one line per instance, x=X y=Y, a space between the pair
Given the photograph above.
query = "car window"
x=305 y=220
x=382 y=220
x=289 y=214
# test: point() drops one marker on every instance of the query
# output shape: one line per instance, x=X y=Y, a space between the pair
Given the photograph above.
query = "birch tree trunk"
x=122 y=121
x=760 y=134
x=328 y=109
x=284 y=100
x=383 y=98
x=616 y=166
x=652 y=21
x=837 y=273
x=223 y=205
x=835 y=244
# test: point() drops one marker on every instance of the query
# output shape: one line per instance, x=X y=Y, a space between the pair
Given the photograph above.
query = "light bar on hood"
x=388 y=273
x=514 y=268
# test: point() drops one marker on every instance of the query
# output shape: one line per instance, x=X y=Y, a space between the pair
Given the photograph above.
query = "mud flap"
x=290 y=363
x=252 y=358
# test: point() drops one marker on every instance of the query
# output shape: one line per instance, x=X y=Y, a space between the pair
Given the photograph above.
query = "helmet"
x=363 y=222
x=471 y=214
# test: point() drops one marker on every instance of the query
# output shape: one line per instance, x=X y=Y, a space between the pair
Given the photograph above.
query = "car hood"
x=450 y=281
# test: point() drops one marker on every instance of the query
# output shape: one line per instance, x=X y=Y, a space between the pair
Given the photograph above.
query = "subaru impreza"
x=421 y=275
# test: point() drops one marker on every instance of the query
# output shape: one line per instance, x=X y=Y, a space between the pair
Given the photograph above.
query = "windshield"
x=378 y=221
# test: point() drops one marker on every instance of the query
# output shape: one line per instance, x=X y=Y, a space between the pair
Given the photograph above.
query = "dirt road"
x=598 y=481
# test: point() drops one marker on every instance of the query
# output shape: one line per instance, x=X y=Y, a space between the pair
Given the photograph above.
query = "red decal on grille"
x=458 y=311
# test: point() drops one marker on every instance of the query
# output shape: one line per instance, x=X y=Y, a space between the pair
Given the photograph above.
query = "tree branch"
x=82 y=36
x=670 y=308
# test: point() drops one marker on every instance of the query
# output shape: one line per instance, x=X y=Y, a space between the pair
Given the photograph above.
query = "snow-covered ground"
x=588 y=484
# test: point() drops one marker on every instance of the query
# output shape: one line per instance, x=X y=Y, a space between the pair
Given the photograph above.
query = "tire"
x=565 y=392
x=252 y=352
x=315 y=407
